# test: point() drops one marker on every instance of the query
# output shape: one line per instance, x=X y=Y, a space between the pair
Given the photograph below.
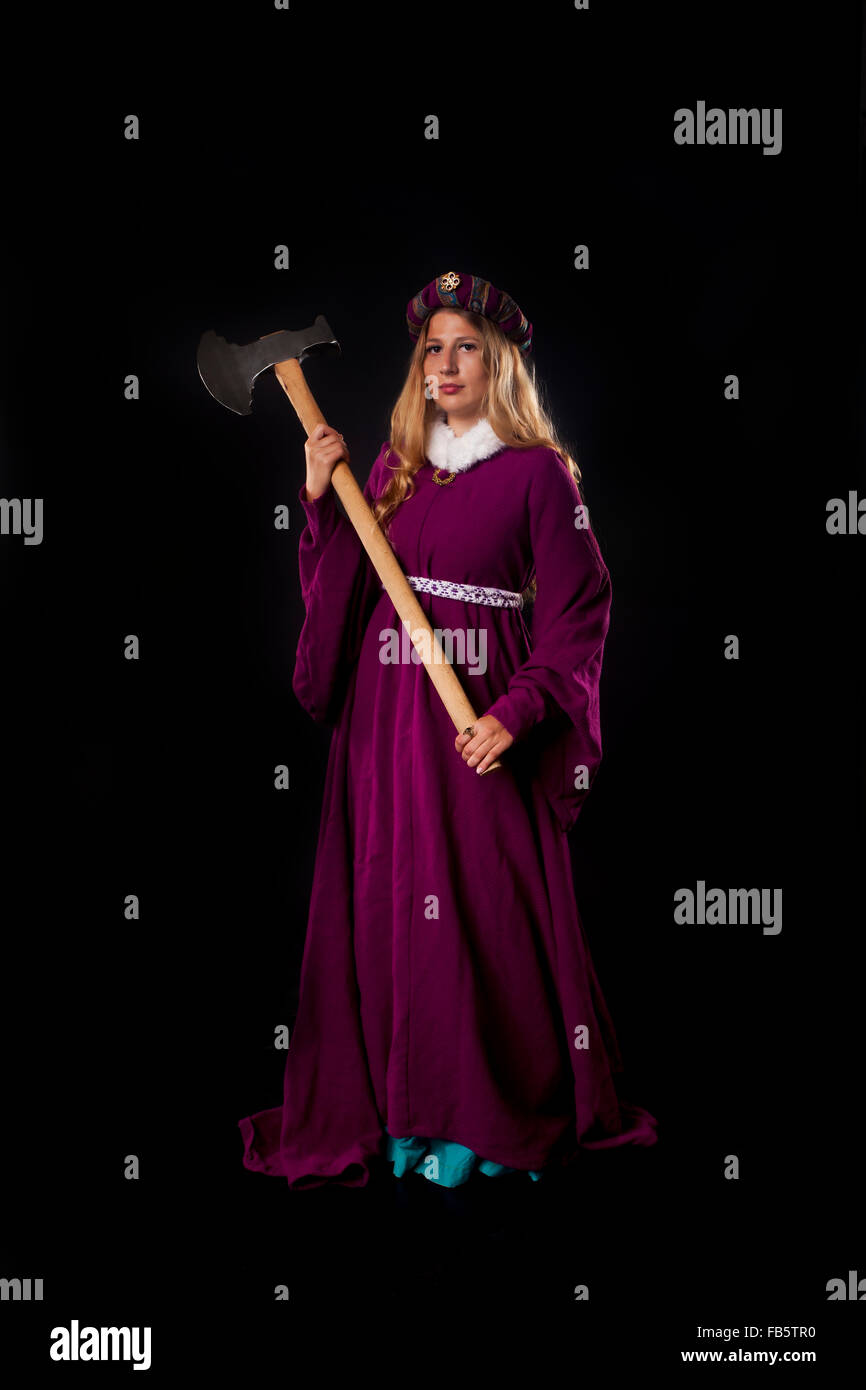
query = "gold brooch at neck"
x=443 y=482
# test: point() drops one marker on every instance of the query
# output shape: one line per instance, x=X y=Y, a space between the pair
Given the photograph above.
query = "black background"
x=155 y=777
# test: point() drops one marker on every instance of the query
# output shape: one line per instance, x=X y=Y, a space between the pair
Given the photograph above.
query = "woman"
x=449 y=1017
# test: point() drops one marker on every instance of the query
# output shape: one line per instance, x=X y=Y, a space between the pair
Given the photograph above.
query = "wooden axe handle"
x=385 y=562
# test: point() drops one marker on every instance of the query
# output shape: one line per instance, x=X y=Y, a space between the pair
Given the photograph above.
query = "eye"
x=434 y=347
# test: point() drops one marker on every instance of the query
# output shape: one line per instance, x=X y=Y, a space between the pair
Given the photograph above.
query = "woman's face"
x=453 y=359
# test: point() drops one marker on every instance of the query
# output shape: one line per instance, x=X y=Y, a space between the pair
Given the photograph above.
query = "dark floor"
x=502 y=1241
x=493 y=1239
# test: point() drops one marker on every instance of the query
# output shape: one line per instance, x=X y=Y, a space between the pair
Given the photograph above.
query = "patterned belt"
x=470 y=593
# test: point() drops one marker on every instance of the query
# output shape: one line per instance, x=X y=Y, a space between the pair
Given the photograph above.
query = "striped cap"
x=455 y=291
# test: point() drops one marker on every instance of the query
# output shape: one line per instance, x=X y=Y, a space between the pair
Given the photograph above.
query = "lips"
x=449 y=389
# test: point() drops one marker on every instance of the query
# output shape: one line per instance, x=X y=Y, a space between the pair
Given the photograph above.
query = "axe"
x=229 y=372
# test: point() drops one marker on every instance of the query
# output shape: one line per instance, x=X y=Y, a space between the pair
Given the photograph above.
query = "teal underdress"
x=455 y=1163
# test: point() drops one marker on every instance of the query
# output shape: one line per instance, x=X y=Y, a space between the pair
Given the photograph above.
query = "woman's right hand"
x=324 y=449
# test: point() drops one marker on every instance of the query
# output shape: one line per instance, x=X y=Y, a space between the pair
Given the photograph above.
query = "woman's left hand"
x=484 y=746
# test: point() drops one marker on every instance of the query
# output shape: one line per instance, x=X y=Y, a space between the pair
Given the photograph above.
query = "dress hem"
x=353 y=1167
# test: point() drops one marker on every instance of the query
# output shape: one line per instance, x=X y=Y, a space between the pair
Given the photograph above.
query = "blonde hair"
x=511 y=404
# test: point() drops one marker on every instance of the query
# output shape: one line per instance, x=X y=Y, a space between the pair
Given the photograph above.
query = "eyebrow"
x=461 y=338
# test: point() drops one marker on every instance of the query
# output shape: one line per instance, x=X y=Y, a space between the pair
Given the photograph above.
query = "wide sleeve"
x=339 y=585
x=552 y=699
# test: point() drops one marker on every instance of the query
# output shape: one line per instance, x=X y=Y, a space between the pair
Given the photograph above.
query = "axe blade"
x=229 y=371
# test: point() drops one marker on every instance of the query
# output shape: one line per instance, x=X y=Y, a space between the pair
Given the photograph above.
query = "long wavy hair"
x=512 y=405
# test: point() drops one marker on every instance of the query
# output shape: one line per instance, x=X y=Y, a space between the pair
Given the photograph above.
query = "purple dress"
x=447 y=989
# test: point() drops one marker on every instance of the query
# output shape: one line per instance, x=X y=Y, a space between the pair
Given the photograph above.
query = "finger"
x=480 y=751
x=489 y=757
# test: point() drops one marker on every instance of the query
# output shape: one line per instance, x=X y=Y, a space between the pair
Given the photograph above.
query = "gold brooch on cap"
x=450 y=281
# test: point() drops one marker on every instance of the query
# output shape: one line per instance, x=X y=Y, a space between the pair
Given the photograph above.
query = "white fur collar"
x=455 y=453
